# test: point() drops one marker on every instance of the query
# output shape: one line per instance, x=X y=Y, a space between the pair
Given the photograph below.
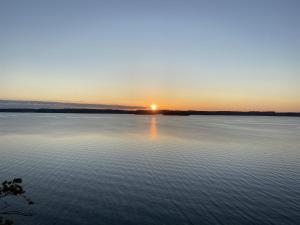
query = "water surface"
x=128 y=169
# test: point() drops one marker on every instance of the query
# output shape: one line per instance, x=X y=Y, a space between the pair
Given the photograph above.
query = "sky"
x=202 y=55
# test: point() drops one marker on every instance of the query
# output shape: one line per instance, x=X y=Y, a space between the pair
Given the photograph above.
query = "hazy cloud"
x=59 y=105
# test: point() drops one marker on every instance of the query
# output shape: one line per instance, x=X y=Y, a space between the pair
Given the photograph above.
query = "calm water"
x=126 y=169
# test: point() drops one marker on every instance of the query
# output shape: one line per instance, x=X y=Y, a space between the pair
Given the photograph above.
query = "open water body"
x=153 y=170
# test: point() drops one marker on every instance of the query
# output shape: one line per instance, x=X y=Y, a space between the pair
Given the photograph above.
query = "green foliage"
x=12 y=188
x=5 y=221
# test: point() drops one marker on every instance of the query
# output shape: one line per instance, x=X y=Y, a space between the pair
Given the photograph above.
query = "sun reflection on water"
x=153 y=128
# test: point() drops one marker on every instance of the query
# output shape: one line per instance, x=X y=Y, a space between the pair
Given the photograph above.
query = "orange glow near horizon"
x=204 y=102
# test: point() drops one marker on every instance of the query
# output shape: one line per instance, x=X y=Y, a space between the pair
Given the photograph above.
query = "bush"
x=12 y=188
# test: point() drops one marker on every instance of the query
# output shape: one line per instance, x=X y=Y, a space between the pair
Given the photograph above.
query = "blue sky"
x=179 y=54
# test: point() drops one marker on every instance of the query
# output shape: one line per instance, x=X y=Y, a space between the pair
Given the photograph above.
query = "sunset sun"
x=153 y=107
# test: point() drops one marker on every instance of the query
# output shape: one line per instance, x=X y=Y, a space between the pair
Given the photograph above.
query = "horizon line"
x=148 y=112
x=47 y=105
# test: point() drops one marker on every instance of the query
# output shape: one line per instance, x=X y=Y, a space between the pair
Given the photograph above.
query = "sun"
x=153 y=107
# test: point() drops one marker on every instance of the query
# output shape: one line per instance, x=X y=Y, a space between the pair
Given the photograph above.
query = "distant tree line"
x=152 y=112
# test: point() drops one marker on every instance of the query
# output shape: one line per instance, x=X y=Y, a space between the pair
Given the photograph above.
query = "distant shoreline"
x=149 y=112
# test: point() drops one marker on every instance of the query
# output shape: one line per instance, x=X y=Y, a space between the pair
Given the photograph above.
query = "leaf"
x=17 y=180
